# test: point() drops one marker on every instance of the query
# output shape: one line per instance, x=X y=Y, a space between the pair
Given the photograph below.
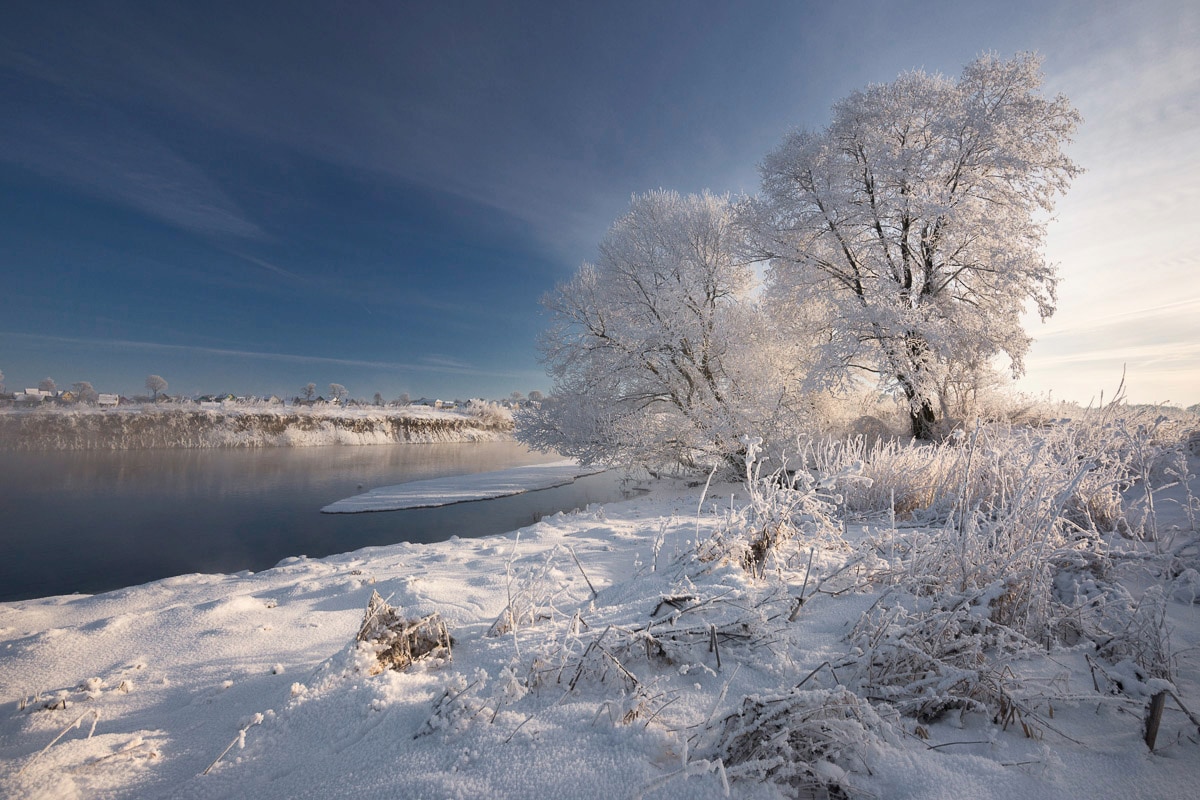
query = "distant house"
x=107 y=400
x=32 y=397
x=441 y=404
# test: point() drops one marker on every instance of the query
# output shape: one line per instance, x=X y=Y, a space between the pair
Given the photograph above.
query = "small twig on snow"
x=74 y=724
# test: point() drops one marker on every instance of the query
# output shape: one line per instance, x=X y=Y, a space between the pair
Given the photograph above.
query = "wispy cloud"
x=110 y=158
x=269 y=267
x=438 y=366
x=1160 y=320
x=1174 y=356
x=435 y=360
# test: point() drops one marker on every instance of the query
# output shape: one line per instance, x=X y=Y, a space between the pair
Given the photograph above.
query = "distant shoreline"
x=155 y=427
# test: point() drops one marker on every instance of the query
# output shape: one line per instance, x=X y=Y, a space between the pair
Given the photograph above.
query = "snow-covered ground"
x=610 y=652
x=462 y=488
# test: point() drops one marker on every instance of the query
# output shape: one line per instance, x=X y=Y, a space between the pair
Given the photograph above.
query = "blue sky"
x=250 y=196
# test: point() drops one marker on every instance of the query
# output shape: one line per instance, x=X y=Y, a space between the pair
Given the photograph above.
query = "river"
x=92 y=521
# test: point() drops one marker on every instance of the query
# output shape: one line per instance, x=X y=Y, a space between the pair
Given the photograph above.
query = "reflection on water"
x=93 y=521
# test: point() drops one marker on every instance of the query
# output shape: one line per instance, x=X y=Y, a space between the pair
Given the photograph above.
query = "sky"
x=248 y=197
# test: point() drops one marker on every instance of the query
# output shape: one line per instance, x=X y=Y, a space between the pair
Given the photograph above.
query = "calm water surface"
x=94 y=521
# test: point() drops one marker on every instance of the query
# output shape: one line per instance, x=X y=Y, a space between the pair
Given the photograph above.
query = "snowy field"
x=640 y=649
x=462 y=488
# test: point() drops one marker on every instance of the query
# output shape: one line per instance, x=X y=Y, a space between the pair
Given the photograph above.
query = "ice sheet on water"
x=462 y=488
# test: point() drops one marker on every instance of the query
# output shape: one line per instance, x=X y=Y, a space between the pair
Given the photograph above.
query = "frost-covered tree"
x=85 y=393
x=48 y=385
x=155 y=384
x=310 y=390
x=1 y=381
x=404 y=399
x=535 y=396
x=917 y=220
x=654 y=349
x=378 y=400
x=337 y=392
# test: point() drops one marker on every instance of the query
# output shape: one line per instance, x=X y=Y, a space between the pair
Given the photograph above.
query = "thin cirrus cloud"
x=114 y=160
x=433 y=365
x=1122 y=237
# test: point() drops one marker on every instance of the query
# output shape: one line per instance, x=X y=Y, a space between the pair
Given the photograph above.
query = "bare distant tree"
x=338 y=392
x=84 y=392
x=48 y=385
x=404 y=399
x=156 y=384
x=516 y=397
x=1 y=381
x=536 y=397
x=378 y=399
x=310 y=389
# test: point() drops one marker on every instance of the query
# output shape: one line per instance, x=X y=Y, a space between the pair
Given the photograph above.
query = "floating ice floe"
x=462 y=488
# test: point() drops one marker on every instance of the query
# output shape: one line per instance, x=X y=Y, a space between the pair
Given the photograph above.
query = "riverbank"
x=149 y=427
x=595 y=654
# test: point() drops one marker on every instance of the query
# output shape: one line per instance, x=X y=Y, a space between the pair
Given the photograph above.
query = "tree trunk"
x=920 y=412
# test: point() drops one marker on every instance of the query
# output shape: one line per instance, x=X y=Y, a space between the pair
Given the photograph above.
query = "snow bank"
x=462 y=488
x=154 y=427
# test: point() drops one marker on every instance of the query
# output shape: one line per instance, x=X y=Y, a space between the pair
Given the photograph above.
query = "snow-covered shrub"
x=491 y=413
x=809 y=743
x=947 y=654
x=785 y=512
x=1134 y=630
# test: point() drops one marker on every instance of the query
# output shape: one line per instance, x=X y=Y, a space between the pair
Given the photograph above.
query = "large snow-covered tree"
x=917 y=219
x=653 y=349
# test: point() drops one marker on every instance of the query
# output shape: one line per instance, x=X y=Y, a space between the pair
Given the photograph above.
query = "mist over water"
x=93 y=521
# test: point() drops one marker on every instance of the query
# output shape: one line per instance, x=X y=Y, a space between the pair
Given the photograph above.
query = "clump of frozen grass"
x=785 y=513
x=908 y=479
x=937 y=658
x=398 y=641
x=809 y=743
x=534 y=591
x=1135 y=631
x=1105 y=451
x=1021 y=559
